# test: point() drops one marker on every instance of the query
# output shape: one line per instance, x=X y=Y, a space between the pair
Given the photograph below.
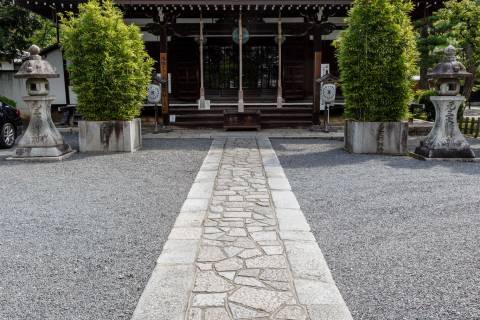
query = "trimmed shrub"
x=109 y=68
x=377 y=55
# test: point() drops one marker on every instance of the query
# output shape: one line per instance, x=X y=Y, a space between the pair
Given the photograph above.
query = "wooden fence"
x=470 y=126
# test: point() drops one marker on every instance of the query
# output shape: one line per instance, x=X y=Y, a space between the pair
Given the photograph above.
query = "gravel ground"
x=79 y=239
x=401 y=236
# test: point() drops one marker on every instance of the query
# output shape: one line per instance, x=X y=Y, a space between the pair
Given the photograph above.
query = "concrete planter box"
x=376 y=137
x=110 y=136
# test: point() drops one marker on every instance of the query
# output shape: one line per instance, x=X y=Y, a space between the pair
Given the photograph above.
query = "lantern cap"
x=36 y=67
x=449 y=68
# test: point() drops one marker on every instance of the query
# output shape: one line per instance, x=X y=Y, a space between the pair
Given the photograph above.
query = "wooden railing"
x=470 y=126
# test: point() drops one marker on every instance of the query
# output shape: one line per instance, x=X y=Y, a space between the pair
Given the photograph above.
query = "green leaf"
x=377 y=57
x=109 y=67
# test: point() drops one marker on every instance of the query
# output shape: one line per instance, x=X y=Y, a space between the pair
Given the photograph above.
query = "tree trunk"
x=471 y=67
x=424 y=55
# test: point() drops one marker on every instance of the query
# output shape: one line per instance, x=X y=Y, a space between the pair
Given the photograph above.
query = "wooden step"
x=198 y=124
x=271 y=117
x=286 y=124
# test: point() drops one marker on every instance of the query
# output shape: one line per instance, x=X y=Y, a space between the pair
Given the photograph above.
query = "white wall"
x=57 y=85
x=15 y=89
x=6 y=65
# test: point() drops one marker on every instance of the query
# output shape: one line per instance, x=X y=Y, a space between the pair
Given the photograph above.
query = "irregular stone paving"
x=242 y=271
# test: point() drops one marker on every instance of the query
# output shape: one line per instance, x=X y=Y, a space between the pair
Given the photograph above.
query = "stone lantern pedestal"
x=445 y=140
x=41 y=140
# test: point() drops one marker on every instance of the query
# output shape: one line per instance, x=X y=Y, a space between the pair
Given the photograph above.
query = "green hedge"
x=109 y=67
x=377 y=55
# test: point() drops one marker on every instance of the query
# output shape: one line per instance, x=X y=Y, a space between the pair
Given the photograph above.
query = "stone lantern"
x=445 y=140
x=41 y=140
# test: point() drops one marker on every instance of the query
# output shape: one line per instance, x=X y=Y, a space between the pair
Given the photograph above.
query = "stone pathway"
x=242 y=268
x=241 y=247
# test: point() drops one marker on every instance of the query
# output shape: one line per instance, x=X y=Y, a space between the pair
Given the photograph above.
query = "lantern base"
x=420 y=157
x=426 y=152
x=25 y=157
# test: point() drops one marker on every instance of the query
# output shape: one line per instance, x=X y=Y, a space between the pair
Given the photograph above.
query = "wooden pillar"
x=164 y=72
x=201 y=102
x=317 y=68
x=279 y=81
x=241 y=106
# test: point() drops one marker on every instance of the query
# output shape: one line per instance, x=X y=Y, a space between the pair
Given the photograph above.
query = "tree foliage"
x=109 y=68
x=19 y=28
x=377 y=56
x=458 y=23
x=428 y=44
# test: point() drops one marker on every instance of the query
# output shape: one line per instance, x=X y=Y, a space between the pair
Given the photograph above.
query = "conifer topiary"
x=377 y=55
x=108 y=66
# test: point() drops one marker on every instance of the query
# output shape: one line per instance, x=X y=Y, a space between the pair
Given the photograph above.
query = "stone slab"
x=185 y=233
x=166 y=295
x=284 y=199
x=179 y=252
x=329 y=312
x=190 y=219
x=201 y=190
x=312 y=292
x=62 y=157
x=194 y=205
x=421 y=157
x=278 y=183
x=307 y=261
x=292 y=219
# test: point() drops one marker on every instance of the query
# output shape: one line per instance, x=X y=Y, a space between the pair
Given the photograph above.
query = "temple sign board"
x=328 y=93
x=328 y=87
x=154 y=94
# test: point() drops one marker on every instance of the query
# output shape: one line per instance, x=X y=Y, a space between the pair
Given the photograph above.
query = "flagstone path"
x=241 y=247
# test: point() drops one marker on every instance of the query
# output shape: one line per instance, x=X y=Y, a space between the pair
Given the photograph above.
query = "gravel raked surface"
x=79 y=239
x=401 y=236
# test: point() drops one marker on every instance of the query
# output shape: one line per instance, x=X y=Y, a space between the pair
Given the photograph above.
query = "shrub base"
x=376 y=137
x=110 y=136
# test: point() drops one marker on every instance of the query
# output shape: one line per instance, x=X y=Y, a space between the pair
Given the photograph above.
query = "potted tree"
x=377 y=55
x=110 y=72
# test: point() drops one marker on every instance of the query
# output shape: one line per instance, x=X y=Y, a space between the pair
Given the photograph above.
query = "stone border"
x=166 y=295
x=422 y=158
x=265 y=133
x=313 y=281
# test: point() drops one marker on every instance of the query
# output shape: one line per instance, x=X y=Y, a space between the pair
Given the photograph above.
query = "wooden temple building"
x=209 y=66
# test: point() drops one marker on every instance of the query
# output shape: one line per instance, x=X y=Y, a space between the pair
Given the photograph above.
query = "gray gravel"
x=401 y=236
x=79 y=239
